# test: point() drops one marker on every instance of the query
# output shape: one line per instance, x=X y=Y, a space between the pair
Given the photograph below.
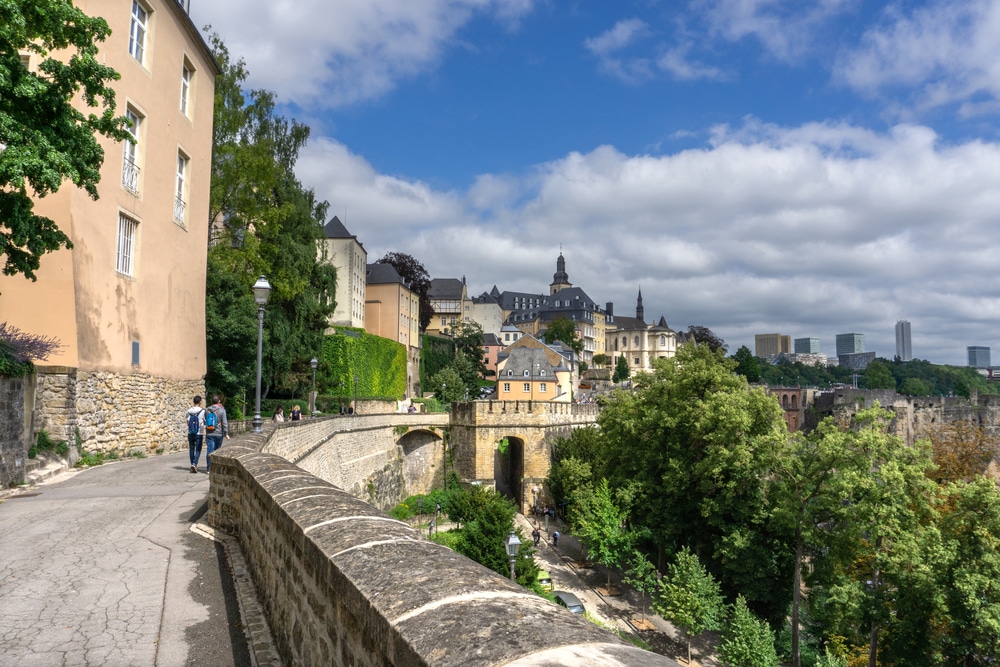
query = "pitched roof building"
x=346 y=253
x=392 y=310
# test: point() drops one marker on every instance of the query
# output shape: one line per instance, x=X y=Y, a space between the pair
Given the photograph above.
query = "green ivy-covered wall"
x=378 y=363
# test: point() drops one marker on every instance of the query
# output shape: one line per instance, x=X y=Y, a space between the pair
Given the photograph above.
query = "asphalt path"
x=101 y=567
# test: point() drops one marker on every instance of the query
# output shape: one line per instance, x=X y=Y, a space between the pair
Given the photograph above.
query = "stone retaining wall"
x=13 y=430
x=343 y=584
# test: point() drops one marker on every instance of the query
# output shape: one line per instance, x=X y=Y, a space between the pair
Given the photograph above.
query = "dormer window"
x=526 y=374
x=542 y=373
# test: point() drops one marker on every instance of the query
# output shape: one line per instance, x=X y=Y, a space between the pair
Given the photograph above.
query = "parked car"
x=545 y=580
x=569 y=601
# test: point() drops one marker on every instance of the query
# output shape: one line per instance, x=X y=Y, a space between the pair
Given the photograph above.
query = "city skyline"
x=796 y=167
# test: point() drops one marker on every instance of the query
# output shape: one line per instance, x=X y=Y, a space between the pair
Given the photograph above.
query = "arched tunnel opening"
x=508 y=468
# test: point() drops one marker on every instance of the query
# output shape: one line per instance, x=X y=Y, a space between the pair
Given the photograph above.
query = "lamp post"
x=341 y=397
x=261 y=291
x=513 y=546
x=355 y=395
x=314 y=362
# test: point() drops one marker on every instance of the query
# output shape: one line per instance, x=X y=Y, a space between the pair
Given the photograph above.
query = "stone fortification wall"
x=13 y=430
x=114 y=413
x=916 y=416
x=342 y=584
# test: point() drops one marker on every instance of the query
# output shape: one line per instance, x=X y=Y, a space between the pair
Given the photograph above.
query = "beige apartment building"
x=392 y=311
x=346 y=253
x=127 y=303
x=770 y=346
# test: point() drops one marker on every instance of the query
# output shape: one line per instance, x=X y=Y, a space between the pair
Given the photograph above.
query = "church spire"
x=639 y=312
x=560 y=279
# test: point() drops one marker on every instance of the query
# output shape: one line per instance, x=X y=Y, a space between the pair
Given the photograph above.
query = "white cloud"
x=608 y=45
x=334 y=53
x=948 y=51
x=676 y=61
x=811 y=230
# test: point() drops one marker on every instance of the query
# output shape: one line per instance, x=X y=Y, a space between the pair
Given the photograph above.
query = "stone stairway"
x=44 y=466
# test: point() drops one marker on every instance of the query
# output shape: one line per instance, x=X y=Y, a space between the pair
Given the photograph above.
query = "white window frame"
x=527 y=387
x=543 y=387
x=186 y=75
x=130 y=158
x=138 y=31
x=506 y=387
x=180 y=191
x=128 y=230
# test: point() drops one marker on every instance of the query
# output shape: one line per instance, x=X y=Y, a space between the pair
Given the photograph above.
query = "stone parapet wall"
x=13 y=430
x=55 y=402
x=342 y=584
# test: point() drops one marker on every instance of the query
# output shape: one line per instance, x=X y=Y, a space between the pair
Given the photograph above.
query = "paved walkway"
x=102 y=567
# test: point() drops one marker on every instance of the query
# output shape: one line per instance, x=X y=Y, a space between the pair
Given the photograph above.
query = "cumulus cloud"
x=336 y=53
x=811 y=230
x=949 y=52
x=608 y=47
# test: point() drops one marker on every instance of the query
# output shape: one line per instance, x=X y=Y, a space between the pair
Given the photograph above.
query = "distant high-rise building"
x=767 y=346
x=850 y=343
x=904 y=348
x=979 y=357
x=807 y=346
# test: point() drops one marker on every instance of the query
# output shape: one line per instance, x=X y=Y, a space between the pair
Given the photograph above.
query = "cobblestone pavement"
x=101 y=567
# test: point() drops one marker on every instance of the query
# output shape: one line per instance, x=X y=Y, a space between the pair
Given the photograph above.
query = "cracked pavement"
x=100 y=567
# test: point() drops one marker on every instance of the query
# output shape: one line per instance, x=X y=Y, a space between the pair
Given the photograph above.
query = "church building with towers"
x=640 y=343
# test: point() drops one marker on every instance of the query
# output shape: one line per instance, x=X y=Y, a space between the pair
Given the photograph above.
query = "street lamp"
x=342 y=392
x=355 y=395
x=314 y=362
x=261 y=290
x=513 y=546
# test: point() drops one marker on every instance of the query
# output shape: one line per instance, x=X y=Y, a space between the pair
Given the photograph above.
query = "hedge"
x=379 y=364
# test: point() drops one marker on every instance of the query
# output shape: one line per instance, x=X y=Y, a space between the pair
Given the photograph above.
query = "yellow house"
x=392 y=311
x=530 y=370
x=127 y=303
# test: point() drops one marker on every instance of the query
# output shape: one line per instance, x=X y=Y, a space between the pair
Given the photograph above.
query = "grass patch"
x=45 y=443
x=90 y=459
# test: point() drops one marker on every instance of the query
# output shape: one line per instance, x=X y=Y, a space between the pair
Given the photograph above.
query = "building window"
x=527 y=387
x=635 y=340
x=543 y=387
x=127 y=228
x=663 y=341
x=444 y=321
x=542 y=373
x=511 y=373
x=185 y=88
x=179 y=191
x=138 y=31
x=506 y=386
x=526 y=374
x=130 y=162
x=624 y=341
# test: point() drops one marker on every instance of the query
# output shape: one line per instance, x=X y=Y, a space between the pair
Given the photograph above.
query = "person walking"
x=555 y=539
x=536 y=535
x=196 y=431
x=216 y=428
x=279 y=414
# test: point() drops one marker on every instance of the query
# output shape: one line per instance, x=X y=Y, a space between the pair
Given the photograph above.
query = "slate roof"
x=382 y=274
x=491 y=340
x=445 y=288
x=335 y=229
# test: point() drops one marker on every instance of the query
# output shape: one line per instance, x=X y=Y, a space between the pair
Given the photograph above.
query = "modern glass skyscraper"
x=807 y=346
x=850 y=343
x=904 y=348
x=979 y=357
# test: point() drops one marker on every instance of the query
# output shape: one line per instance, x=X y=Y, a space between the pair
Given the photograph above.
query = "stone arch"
x=508 y=469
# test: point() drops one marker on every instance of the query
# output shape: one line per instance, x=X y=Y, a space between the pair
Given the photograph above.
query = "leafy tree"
x=600 y=360
x=468 y=372
x=961 y=451
x=747 y=365
x=877 y=376
x=468 y=338
x=271 y=226
x=622 y=371
x=488 y=519
x=705 y=336
x=747 y=641
x=641 y=575
x=600 y=525
x=915 y=387
x=447 y=386
x=44 y=139
x=416 y=276
x=564 y=329
x=689 y=597
x=696 y=444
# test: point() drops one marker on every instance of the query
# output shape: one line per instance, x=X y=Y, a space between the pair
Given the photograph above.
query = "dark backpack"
x=211 y=421
x=193 y=425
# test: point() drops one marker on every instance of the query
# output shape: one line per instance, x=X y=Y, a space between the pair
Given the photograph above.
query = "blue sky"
x=755 y=166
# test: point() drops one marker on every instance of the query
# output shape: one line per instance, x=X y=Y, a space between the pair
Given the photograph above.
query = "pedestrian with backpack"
x=216 y=428
x=196 y=431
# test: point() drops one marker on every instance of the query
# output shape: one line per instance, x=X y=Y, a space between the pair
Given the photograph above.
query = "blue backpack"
x=211 y=421
x=193 y=425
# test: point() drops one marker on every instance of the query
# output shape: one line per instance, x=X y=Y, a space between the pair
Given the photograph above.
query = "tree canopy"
x=705 y=336
x=267 y=224
x=563 y=329
x=44 y=138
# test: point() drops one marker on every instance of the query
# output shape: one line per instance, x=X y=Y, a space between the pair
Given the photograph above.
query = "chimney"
x=610 y=308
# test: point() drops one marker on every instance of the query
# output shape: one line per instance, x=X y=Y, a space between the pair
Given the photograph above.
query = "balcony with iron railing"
x=130 y=175
x=179 y=206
